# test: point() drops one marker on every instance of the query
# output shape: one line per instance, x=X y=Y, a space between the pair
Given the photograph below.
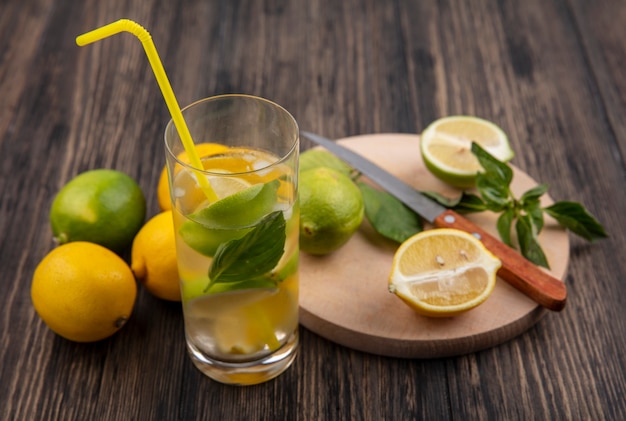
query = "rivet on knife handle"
x=528 y=278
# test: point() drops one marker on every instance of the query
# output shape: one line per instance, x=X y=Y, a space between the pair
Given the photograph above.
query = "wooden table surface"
x=551 y=73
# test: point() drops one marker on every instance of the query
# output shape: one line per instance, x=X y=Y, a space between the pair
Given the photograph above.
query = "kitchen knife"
x=528 y=278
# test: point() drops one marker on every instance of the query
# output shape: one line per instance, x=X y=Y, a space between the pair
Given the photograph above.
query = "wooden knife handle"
x=528 y=278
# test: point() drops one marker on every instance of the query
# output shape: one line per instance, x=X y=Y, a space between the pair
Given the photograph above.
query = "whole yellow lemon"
x=83 y=291
x=154 y=257
x=163 y=191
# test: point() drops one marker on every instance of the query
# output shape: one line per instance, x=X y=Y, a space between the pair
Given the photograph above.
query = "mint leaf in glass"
x=252 y=256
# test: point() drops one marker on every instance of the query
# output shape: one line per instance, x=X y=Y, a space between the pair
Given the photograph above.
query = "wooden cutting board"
x=344 y=296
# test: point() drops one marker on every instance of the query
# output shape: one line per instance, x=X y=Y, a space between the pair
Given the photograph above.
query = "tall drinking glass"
x=237 y=236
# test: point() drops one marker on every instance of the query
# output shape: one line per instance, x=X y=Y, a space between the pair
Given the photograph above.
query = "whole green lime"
x=315 y=158
x=331 y=210
x=102 y=206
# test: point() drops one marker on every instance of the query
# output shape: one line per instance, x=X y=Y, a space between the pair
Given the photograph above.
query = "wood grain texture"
x=550 y=73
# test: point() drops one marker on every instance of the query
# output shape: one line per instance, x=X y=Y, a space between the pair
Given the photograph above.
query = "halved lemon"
x=446 y=148
x=443 y=272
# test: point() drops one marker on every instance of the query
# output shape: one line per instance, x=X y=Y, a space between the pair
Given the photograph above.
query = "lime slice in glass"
x=240 y=210
x=229 y=218
x=206 y=240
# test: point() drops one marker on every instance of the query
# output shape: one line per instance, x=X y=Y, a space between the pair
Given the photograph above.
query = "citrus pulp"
x=446 y=148
x=163 y=188
x=443 y=272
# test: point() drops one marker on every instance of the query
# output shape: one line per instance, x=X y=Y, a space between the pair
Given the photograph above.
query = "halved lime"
x=446 y=148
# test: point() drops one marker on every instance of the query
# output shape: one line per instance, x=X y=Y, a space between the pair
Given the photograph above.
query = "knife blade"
x=528 y=278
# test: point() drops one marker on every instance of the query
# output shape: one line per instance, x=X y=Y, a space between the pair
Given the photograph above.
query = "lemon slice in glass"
x=446 y=148
x=443 y=272
x=203 y=150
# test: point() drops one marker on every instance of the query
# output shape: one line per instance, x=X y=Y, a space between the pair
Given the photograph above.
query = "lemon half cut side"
x=443 y=272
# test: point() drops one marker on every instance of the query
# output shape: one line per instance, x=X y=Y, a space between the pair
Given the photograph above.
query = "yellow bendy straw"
x=127 y=25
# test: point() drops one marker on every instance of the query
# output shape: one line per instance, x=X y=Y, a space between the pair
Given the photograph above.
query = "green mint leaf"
x=533 y=209
x=493 y=191
x=470 y=203
x=504 y=224
x=529 y=244
x=495 y=169
x=251 y=256
x=389 y=217
x=465 y=203
x=576 y=218
x=534 y=193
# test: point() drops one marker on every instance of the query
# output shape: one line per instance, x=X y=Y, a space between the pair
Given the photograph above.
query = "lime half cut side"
x=446 y=147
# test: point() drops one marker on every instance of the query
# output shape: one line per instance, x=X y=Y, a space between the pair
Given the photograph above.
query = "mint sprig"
x=251 y=258
x=524 y=214
x=576 y=218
